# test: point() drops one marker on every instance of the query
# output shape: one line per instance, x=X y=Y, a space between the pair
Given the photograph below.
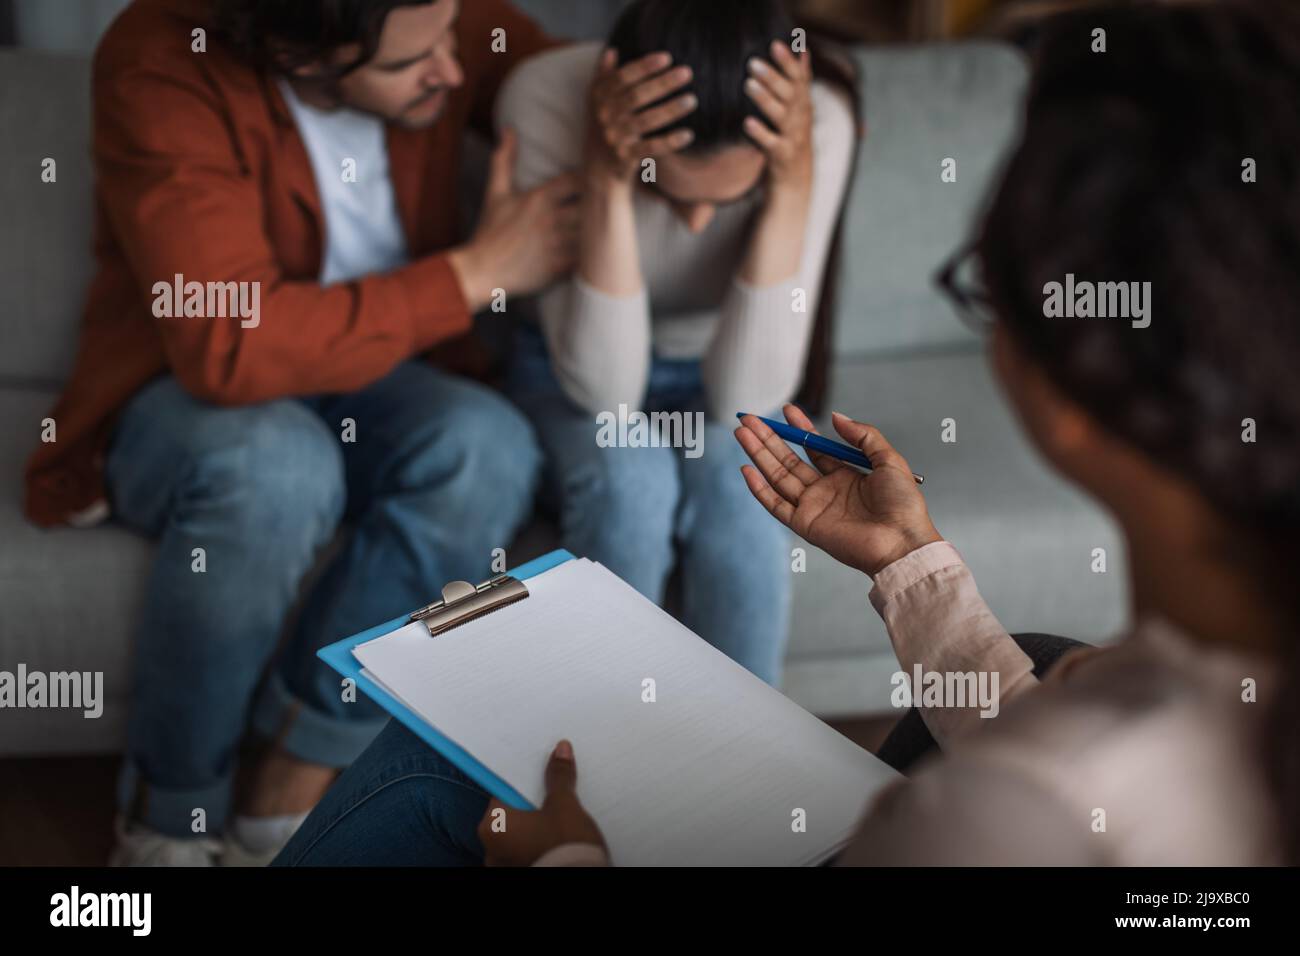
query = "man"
x=277 y=246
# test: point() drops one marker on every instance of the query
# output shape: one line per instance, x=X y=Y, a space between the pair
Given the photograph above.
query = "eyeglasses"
x=959 y=280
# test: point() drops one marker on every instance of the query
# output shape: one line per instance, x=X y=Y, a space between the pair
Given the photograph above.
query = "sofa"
x=69 y=599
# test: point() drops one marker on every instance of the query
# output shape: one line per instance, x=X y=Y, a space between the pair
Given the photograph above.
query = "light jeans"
x=638 y=511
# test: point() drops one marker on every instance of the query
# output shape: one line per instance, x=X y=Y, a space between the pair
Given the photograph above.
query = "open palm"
x=865 y=520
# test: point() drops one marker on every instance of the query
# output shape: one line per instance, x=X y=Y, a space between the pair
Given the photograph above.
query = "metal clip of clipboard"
x=462 y=602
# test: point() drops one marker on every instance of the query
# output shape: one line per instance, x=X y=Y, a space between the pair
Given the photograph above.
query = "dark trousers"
x=910 y=739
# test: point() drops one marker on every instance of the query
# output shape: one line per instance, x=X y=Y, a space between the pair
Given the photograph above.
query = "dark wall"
x=6 y=23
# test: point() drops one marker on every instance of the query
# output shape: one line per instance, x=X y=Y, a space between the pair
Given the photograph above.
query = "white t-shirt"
x=363 y=232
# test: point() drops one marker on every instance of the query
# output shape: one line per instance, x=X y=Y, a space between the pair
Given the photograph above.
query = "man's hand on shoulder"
x=524 y=240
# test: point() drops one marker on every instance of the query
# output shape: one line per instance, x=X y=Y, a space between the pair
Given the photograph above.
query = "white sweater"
x=752 y=341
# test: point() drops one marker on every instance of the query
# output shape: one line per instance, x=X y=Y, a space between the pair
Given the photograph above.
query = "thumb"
x=867 y=439
x=501 y=174
x=561 y=770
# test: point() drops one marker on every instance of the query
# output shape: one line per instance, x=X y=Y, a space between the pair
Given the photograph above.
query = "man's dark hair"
x=282 y=35
x=1133 y=167
x=715 y=38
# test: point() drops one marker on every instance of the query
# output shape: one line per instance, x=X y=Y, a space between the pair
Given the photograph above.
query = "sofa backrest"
x=45 y=238
x=588 y=20
x=922 y=105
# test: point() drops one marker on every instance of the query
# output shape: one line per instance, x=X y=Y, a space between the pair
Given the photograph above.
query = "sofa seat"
x=71 y=597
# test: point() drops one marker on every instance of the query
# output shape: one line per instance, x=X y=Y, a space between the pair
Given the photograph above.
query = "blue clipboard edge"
x=339 y=656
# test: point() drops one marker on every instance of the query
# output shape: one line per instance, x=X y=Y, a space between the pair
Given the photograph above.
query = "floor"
x=58 y=811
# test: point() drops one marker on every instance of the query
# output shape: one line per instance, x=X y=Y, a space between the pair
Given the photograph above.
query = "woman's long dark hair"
x=717 y=38
x=1174 y=158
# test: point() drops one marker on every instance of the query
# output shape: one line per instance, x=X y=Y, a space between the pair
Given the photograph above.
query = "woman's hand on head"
x=782 y=90
x=867 y=521
x=621 y=114
x=520 y=837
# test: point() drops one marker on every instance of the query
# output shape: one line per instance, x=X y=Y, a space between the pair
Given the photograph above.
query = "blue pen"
x=823 y=446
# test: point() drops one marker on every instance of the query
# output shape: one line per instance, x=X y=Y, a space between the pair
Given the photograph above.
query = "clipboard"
x=461 y=602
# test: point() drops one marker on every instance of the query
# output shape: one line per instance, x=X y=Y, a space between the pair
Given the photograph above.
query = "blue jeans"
x=440 y=472
x=638 y=510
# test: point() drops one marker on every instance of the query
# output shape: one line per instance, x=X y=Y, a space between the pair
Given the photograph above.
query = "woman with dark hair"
x=1173 y=159
x=713 y=164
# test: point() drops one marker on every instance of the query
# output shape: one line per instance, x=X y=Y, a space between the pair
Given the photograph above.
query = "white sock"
x=263 y=834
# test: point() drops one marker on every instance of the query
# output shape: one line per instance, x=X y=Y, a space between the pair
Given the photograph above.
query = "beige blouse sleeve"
x=937 y=620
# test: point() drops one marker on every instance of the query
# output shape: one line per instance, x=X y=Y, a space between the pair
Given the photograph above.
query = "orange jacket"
x=200 y=172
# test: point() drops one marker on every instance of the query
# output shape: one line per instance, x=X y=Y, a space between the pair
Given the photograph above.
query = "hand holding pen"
x=866 y=521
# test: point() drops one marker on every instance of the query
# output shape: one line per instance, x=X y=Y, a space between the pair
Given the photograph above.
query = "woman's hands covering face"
x=621 y=114
x=782 y=89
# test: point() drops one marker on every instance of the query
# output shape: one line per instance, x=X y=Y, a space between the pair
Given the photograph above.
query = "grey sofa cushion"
x=588 y=20
x=45 y=246
x=922 y=105
x=70 y=598
x=72 y=25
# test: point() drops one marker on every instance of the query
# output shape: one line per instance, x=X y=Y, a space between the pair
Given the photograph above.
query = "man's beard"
x=405 y=119
x=328 y=95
